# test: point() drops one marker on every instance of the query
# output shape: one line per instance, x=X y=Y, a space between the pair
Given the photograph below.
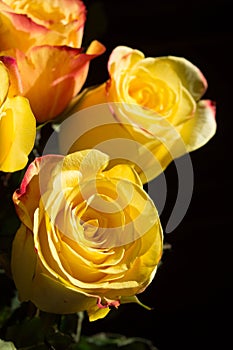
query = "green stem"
x=77 y=336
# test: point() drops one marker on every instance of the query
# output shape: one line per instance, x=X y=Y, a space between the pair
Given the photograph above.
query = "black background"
x=191 y=294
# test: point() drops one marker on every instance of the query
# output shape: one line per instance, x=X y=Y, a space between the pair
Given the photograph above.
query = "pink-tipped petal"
x=55 y=74
x=33 y=184
x=15 y=79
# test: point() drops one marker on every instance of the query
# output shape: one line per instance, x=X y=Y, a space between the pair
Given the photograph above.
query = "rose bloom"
x=31 y=23
x=90 y=238
x=50 y=76
x=155 y=102
x=17 y=125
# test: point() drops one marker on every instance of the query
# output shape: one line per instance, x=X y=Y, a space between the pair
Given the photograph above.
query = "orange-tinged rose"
x=90 y=238
x=49 y=76
x=17 y=126
x=156 y=102
x=25 y=23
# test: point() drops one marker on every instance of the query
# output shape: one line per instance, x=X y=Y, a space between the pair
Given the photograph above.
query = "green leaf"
x=59 y=341
x=111 y=341
x=4 y=314
x=26 y=333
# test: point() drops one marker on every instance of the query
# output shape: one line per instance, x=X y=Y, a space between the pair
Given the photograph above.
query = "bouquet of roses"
x=78 y=232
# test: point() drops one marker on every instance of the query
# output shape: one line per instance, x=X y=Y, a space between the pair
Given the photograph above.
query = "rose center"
x=154 y=94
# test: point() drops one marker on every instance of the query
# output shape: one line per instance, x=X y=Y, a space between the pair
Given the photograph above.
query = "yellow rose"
x=155 y=102
x=49 y=76
x=17 y=125
x=24 y=24
x=90 y=238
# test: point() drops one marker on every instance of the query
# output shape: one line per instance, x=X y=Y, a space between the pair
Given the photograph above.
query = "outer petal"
x=34 y=184
x=19 y=32
x=199 y=130
x=122 y=57
x=50 y=295
x=88 y=162
x=23 y=138
x=32 y=284
x=191 y=76
x=59 y=22
x=23 y=262
x=87 y=98
x=55 y=74
x=15 y=79
x=49 y=12
x=95 y=313
x=191 y=135
x=143 y=268
x=7 y=134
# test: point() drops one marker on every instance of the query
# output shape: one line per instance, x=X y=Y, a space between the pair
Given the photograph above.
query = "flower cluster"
x=90 y=236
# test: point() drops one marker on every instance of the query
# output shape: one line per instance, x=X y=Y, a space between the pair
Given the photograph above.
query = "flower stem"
x=77 y=336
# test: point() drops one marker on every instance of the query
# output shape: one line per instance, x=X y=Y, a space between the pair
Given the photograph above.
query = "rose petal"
x=200 y=129
x=121 y=57
x=53 y=23
x=123 y=171
x=23 y=262
x=191 y=76
x=88 y=162
x=55 y=73
x=22 y=138
x=34 y=184
x=17 y=31
x=96 y=313
x=64 y=300
x=15 y=79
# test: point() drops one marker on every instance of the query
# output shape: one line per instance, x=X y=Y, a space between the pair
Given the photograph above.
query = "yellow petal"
x=23 y=262
x=83 y=131
x=50 y=295
x=122 y=57
x=23 y=134
x=89 y=98
x=123 y=171
x=34 y=184
x=185 y=108
x=200 y=129
x=95 y=313
x=191 y=76
x=7 y=131
x=88 y=162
